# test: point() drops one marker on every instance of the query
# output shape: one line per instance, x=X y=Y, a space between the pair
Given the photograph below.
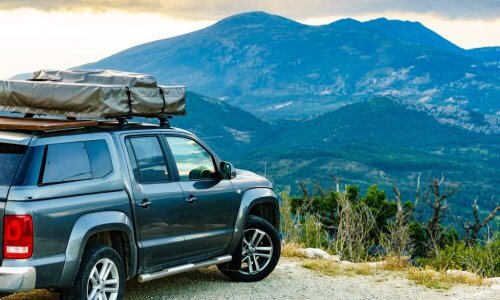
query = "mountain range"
x=277 y=68
x=382 y=101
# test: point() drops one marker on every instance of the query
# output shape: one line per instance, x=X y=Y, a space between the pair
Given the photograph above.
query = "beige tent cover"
x=92 y=94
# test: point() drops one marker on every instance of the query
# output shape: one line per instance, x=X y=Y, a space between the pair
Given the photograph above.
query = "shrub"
x=439 y=279
x=359 y=227
x=483 y=260
x=355 y=225
x=302 y=227
x=397 y=241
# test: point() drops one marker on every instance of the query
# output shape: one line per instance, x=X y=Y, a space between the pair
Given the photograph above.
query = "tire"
x=97 y=258
x=259 y=236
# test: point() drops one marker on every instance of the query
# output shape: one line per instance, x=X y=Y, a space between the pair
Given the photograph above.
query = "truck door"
x=160 y=202
x=210 y=209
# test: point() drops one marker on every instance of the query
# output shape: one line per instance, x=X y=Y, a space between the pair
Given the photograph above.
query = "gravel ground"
x=288 y=281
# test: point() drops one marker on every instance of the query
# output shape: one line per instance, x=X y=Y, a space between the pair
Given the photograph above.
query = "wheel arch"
x=258 y=201
x=92 y=225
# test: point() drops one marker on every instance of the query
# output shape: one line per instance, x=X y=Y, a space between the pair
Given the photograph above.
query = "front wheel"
x=261 y=251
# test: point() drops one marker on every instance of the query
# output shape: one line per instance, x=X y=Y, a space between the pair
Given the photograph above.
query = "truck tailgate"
x=11 y=154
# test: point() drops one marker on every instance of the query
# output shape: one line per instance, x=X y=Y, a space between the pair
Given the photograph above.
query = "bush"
x=357 y=228
x=355 y=224
x=302 y=227
x=483 y=260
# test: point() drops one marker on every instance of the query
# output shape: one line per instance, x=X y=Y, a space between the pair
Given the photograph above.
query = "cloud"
x=215 y=9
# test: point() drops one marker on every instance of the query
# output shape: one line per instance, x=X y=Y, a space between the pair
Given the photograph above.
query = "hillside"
x=412 y=32
x=380 y=141
x=227 y=129
x=486 y=54
x=280 y=69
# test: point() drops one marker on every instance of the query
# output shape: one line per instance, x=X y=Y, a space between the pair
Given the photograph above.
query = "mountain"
x=228 y=129
x=412 y=32
x=277 y=68
x=382 y=141
x=486 y=54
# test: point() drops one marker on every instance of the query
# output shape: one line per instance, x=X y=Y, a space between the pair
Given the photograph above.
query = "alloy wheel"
x=257 y=251
x=104 y=280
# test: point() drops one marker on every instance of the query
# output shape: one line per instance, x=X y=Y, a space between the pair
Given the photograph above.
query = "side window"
x=76 y=161
x=150 y=165
x=66 y=162
x=192 y=160
x=100 y=159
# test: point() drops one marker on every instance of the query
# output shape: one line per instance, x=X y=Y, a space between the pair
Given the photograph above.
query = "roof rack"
x=29 y=123
x=38 y=124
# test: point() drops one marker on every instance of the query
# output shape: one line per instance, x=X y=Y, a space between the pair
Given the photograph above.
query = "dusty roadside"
x=289 y=281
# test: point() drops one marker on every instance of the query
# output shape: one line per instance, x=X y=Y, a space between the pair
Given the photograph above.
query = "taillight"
x=17 y=237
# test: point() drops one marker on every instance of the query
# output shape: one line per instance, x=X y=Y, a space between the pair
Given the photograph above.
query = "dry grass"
x=440 y=280
x=291 y=250
x=323 y=266
x=359 y=269
x=427 y=277
x=394 y=263
x=36 y=294
x=336 y=269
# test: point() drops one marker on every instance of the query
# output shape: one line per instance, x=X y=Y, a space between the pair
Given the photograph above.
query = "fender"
x=249 y=199
x=85 y=227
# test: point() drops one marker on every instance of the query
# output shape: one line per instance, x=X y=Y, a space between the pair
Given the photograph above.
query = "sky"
x=57 y=34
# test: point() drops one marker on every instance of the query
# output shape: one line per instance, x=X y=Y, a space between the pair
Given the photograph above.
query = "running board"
x=184 y=268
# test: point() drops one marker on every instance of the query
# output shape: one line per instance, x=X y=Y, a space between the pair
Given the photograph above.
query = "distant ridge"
x=277 y=68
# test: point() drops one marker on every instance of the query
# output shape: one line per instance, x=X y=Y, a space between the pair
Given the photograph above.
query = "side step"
x=184 y=268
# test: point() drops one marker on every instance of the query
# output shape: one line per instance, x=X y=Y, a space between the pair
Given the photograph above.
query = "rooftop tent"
x=91 y=94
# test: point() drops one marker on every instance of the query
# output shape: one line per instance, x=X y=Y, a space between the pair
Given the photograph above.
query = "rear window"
x=10 y=157
x=76 y=161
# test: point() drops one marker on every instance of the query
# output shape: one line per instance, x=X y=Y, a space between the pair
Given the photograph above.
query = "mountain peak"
x=347 y=22
x=411 y=31
x=257 y=18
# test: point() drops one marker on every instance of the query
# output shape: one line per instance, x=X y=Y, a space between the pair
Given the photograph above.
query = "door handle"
x=191 y=199
x=145 y=203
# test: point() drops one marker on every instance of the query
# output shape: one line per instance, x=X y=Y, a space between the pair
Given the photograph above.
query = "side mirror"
x=227 y=170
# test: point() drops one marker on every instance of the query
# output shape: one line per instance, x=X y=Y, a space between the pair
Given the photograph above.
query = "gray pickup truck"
x=84 y=209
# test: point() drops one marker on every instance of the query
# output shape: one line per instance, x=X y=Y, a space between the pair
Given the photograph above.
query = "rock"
x=318 y=253
x=314 y=253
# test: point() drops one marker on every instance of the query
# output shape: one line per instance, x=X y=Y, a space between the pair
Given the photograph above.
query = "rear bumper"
x=17 y=279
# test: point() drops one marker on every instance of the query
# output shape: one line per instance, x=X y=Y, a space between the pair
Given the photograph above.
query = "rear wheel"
x=260 y=251
x=101 y=276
